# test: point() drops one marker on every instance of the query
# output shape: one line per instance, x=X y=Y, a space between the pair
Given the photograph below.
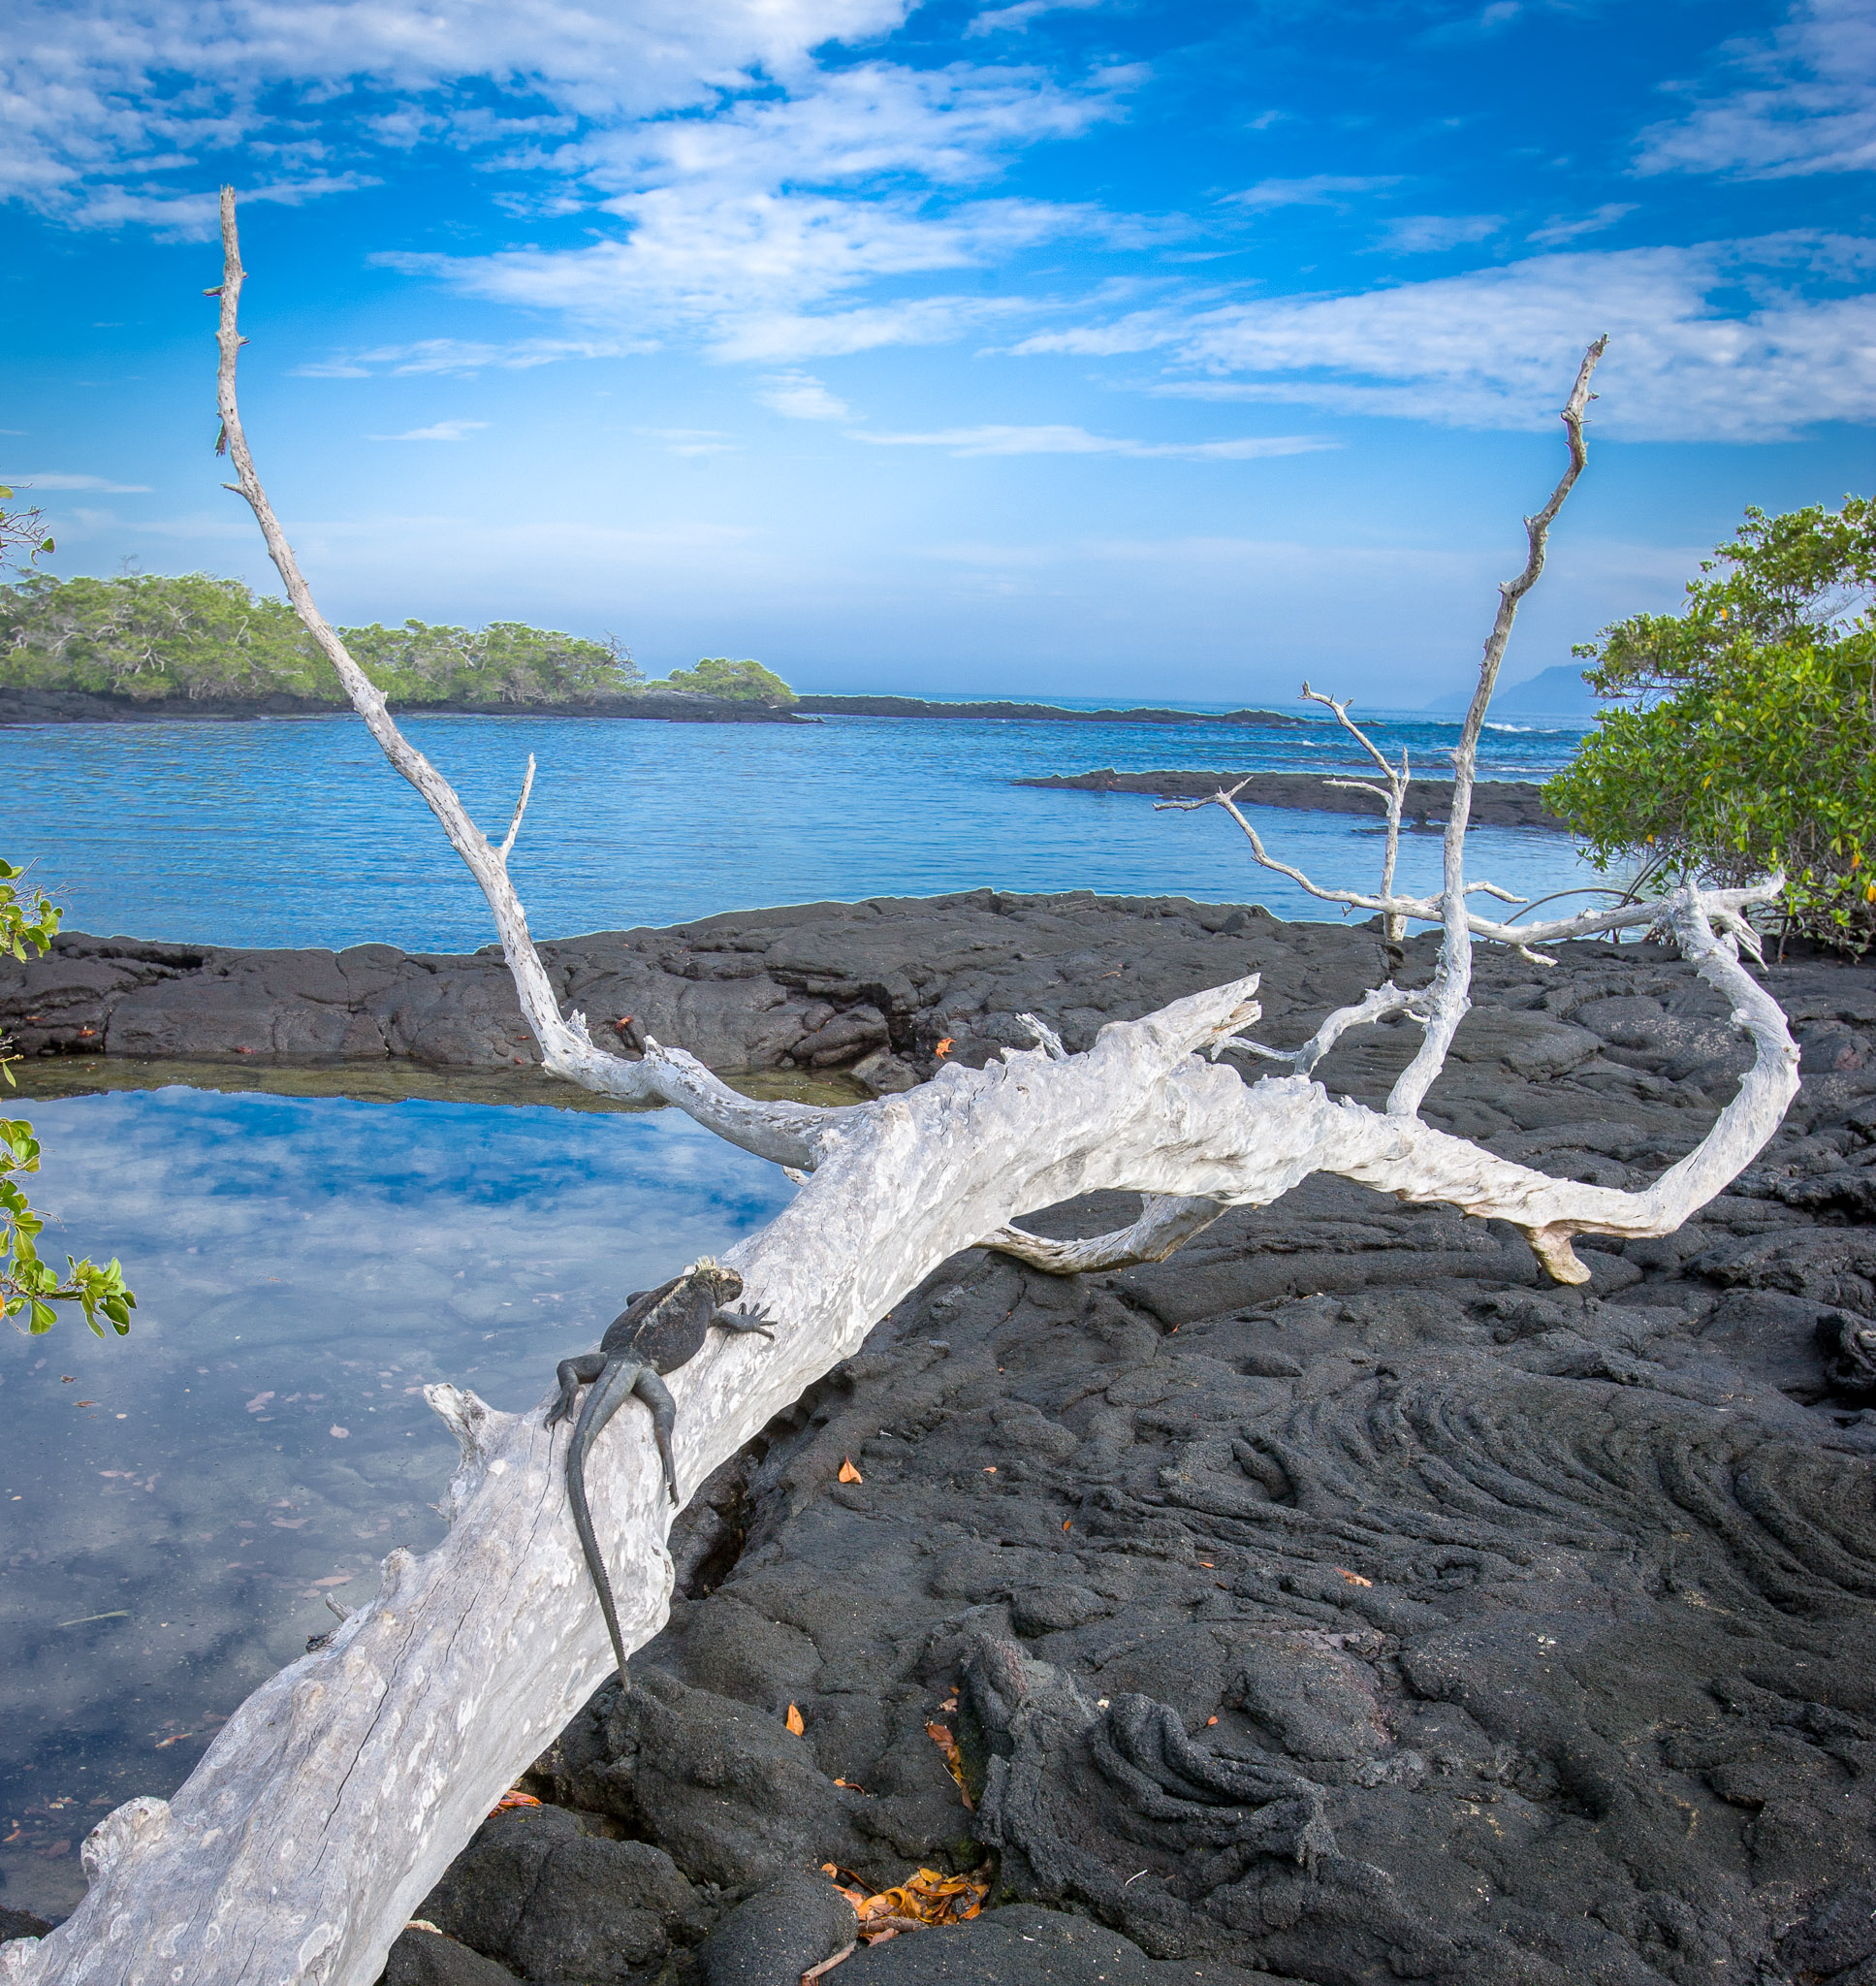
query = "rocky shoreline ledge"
x=1495 y=802
x=1338 y=1601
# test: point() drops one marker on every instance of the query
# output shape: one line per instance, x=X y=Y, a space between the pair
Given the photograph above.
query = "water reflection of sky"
x=177 y=1503
x=232 y=833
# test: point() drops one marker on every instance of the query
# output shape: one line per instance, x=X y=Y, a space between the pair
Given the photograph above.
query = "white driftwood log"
x=328 y=1804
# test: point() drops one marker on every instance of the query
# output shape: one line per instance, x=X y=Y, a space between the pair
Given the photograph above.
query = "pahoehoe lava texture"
x=1339 y=1600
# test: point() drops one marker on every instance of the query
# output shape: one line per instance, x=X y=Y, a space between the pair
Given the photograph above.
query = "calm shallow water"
x=178 y=1502
x=298 y=833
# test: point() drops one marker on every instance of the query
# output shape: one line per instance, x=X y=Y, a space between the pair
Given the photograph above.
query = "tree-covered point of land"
x=1748 y=740
x=743 y=681
x=192 y=636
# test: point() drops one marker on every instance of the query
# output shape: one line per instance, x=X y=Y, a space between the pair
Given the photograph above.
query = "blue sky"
x=1123 y=348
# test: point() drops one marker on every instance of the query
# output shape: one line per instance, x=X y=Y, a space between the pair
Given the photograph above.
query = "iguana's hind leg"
x=573 y=1374
x=656 y=1396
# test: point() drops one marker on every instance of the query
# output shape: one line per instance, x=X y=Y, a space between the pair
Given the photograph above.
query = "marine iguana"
x=658 y=1331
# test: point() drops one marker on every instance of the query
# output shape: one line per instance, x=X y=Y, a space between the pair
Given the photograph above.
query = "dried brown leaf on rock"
x=849 y=1473
x=940 y=1735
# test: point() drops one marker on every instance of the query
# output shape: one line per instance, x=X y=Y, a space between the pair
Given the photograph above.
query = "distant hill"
x=1555 y=692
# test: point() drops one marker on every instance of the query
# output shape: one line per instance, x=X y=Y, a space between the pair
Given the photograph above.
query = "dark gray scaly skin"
x=658 y=1331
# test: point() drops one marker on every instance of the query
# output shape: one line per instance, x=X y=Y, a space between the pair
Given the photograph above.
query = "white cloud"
x=1496 y=348
x=53 y=480
x=800 y=397
x=1017 y=18
x=453 y=355
x=1562 y=228
x=1429 y=234
x=690 y=441
x=439 y=430
x=1064 y=441
x=1805 y=102
x=106 y=104
x=1319 y=189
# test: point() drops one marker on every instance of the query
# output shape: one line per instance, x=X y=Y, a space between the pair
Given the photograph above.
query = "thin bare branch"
x=520 y=808
x=1394 y=799
x=1382 y=1003
x=1452 y=982
x=1167 y=1221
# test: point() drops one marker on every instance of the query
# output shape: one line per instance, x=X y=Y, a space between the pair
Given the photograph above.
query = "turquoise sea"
x=296 y=832
x=175 y=1506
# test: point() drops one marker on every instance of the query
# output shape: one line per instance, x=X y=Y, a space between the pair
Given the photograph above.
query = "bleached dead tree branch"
x=328 y=1806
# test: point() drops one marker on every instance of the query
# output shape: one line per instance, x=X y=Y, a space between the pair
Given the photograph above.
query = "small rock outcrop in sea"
x=1495 y=802
x=1006 y=712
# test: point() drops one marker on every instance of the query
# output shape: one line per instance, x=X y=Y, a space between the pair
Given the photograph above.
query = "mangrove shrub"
x=1745 y=740
x=745 y=682
x=155 y=637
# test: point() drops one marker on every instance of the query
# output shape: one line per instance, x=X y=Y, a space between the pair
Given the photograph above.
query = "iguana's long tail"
x=604 y=1399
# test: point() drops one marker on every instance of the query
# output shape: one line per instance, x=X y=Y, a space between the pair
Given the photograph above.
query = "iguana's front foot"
x=744 y=1318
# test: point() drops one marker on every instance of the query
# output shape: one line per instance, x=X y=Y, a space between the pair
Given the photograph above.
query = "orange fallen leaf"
x=849 y=1473
x=945 y=1046
x=793 y=1721
x=940 y=1735
x=1354 y=1578
x=1066 y=1521
x=514 y=1797
x=926 y=1898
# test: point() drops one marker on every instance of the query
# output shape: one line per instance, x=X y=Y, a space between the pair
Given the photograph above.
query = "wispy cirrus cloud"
x=1433 y=234
x=1802 y=99
x=1318 y=189
x=992 y=439
x=1494 y=348
x=455 y=355
x=438 y=431
x=1562 y=228
x=56 y=479
x=800 y=397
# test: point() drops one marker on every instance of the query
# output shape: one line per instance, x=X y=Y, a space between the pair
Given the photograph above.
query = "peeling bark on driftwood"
x=327 y=1806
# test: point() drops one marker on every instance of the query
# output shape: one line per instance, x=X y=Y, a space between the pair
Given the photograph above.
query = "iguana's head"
x=724 y=1283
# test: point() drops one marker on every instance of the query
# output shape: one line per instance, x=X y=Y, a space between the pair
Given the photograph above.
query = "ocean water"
x=175 y=1505
x=297 y=832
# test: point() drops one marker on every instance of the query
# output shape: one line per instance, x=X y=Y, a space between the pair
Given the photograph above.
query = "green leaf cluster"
x=27 y=1282
x=22 y=530
x=1746 y=738
x=743 y=681
x=153 y=637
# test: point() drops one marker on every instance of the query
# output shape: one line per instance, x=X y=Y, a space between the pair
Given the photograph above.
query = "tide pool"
x=179 y=1504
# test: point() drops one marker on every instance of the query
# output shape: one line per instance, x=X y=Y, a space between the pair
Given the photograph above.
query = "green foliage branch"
x=1746 y=738
x=151 y=636
x=28 y=1283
